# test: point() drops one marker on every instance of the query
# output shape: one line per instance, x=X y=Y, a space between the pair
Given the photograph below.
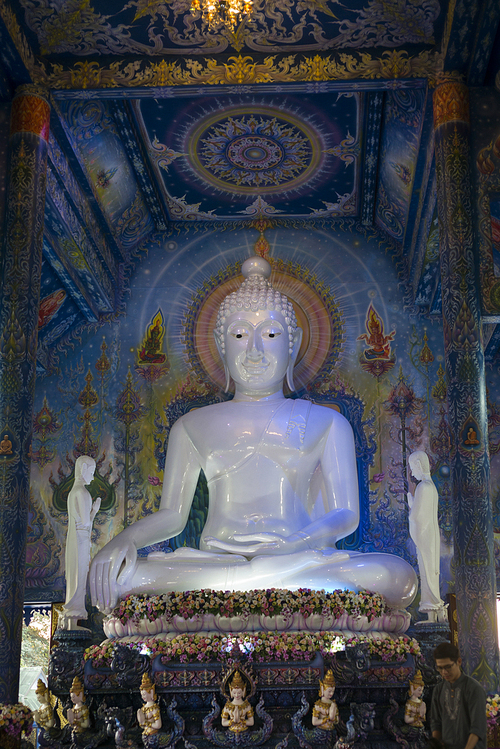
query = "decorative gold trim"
x=242 y=70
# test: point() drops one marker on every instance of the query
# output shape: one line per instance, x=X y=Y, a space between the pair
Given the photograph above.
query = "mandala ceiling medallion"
x=265 y=151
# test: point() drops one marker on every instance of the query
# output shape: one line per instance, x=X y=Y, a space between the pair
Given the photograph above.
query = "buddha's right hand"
x=112 y=566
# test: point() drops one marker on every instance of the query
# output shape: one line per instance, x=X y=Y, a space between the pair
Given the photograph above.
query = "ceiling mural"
x=245 y=156
x=313 y=115
x=403 y=118
x=158 y=27
x=99 y=150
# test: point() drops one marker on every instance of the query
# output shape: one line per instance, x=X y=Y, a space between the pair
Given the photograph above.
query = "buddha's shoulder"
x=328 y=415
x=203 y=414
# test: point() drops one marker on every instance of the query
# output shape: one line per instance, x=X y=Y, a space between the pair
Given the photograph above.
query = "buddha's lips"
x=256 y=368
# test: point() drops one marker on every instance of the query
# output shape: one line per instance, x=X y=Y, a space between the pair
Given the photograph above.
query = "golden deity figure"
x=325 y=711
x=148 y=715
x=415 y=707
x=78 y=715
x=237 y=714
x=44 y=715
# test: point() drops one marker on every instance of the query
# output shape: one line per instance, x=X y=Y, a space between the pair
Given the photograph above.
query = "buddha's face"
x=148 y=695
x=237 y=693
x=87 y=472
x=42 y=698
x=76 y=698
x=328 y=692
x=416 y=690
x=257 y=349
x=416 y=469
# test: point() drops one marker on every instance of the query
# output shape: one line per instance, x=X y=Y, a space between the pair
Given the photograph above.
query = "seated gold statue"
x=5 y=445
x=415 y=707
x=237 y=714
x=325 y=711
x=78 y=715
x=148 y=715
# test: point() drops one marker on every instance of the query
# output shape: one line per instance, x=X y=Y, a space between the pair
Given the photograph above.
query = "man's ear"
x=297 y=340
x=218 y=343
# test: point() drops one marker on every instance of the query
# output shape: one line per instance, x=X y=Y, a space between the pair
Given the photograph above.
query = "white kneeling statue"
x=281 y=475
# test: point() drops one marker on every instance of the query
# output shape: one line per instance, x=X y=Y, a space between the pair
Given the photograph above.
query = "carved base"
x=287 y=691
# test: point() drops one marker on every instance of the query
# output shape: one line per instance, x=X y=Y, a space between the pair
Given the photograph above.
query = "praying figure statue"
x=281 y=475
x=415 y=707
x=78 y=715
x=148 y=716
x=44 y=715
x=237 y=714
x=81 y=514
x=424 y=531
x=325 y=711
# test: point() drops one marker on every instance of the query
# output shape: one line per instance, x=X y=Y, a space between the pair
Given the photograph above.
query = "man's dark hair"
x=446 y=650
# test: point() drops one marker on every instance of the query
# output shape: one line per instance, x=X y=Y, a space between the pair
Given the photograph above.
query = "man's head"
x=448 y=661
x=256 y=333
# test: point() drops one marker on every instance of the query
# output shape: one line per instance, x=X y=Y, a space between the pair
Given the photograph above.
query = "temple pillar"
x=21 y=264
x=474 y=568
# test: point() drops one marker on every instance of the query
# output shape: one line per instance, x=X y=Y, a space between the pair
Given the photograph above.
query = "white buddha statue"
x=281 y=476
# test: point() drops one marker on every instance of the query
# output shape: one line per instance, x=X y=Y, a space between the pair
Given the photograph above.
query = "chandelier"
x=215 y=13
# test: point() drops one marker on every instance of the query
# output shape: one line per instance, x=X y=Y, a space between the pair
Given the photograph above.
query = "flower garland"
x=259 y=647
x=492 y=710
x=14 y=719
x=264 y=602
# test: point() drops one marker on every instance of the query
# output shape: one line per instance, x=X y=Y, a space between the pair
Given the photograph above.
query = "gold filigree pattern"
x=451 y=102
x=243 y=70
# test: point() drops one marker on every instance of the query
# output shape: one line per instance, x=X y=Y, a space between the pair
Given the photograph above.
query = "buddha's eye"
x=271 y=333
x=239 y=332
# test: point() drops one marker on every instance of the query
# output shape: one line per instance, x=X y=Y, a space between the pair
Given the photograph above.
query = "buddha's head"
x=327 y=685
x=42 y=692
x=416 y=685
x=76 y=692
x=419 y=464
x=148 y=691
x=237 y=687
x=257 y=334
x=85 y=468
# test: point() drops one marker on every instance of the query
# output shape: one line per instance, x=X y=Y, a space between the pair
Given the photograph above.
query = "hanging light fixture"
x=215 y=13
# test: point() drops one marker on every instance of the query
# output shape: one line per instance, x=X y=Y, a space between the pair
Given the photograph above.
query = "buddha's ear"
x=297 y=340
x=218 y=343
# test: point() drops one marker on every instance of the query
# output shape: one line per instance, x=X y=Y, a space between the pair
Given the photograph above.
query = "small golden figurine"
x=44 y=716
x=237 y=714
x=415 y=707
x=149 y=714
x=325 y=711
x=78 y=715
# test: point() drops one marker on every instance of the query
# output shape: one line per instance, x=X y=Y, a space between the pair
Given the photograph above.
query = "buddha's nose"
x=255 y=349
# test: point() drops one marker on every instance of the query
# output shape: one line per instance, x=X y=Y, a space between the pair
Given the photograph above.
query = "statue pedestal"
x=67 y=659
x=288 y=690
x=429 y=635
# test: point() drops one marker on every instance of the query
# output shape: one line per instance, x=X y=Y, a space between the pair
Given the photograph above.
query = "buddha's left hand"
x=252 y=544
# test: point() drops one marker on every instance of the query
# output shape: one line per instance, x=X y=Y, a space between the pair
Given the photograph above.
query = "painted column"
x=21 y=263
x=475 y=585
